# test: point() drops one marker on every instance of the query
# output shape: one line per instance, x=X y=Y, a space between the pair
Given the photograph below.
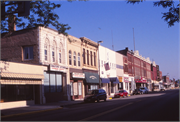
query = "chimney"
x=11 y=23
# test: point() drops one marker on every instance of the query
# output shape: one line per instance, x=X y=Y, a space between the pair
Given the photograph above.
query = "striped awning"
x=20 y=82
x=20 y=75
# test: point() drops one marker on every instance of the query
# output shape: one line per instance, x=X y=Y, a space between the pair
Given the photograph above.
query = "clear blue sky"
x=153 y=38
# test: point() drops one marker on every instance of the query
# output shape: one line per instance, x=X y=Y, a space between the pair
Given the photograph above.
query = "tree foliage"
x=41 y=14
x=172 y=16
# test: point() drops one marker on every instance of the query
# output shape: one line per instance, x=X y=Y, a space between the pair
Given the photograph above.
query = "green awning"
x=91 y=77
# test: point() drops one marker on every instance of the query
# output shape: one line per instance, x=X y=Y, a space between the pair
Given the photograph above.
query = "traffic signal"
x=23 y=8
x=3 y=11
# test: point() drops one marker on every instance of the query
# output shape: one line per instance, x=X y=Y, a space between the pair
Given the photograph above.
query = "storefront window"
x=46 y=82
x=52 y=82
x=16 y=92
x=59 y=82
x=71 y=88
x=80 y=88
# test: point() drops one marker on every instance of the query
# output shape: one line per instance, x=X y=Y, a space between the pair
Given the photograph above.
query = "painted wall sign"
x=142 y=80
x=58 y=68
x=126 y=79
x=78 y=75
x=92 y=77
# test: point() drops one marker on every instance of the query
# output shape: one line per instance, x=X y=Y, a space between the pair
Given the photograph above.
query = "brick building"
x=42 y=46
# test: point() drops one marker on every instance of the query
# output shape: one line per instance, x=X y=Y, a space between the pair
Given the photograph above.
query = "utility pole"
x=112 y=40
x=133 y=39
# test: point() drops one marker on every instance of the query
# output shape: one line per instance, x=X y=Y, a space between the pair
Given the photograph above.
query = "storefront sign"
x=142 y=80
x=120 y=79
x=126 y=79
x=78 y=75
x=58 y=68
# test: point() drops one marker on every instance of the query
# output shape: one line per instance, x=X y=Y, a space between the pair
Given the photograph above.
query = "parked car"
x=162 y=88
x=137 y=91
x=95 y=95
x=121 y=93
x=145 y=90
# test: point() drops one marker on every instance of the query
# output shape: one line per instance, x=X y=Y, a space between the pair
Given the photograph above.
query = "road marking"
x=104 y=112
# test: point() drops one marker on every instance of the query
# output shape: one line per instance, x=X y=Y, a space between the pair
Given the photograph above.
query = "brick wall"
x=12 y=46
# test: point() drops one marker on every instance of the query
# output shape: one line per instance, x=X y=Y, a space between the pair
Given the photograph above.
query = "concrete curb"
x=5 y=116
x=71 y=104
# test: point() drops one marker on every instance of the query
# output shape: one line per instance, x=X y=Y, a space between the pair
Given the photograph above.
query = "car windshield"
x=142 y=88
x=93 y=92
x=119 y=91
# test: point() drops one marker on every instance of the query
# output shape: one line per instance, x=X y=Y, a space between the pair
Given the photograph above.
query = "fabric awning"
x=20 y=82
x=105 y=80
x=114 y=80
x=20 y=75
x=91 y=77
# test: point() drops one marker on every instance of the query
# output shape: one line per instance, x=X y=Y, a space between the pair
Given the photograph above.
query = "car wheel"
x=123 y=95
x=118 y=96
x=104 y=99
x=141 y=92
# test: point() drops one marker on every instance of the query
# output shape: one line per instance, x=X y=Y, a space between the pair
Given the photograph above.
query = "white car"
x=162 y=89
x=145 y=90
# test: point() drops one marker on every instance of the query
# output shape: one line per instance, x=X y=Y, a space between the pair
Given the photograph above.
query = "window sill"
x=27 y=59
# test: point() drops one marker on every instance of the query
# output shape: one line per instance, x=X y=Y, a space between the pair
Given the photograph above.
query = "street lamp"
x=99 y=63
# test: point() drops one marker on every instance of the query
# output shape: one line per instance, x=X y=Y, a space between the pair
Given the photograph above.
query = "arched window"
x=45 y=52
x=69 y=57
x=74 y=58
x=53 y=51
x=60 y=55
x=79 y=59
x=60 y=52
x=46 y=45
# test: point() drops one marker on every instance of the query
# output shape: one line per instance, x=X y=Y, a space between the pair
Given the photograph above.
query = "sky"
x=113 y=23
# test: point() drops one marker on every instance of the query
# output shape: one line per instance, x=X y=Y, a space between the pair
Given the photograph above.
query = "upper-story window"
x=91 y=58
x=53 y=51
x=88 y=57
x=53 y=55
x=94 y=58
x=60 y=52
x=70 y=57
x=79 y=59
x=28 y=52
x=84 y=56
x=45 y=52
x=74 y=57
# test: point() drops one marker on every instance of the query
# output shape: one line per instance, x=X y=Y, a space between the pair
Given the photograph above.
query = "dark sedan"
x=95 y=95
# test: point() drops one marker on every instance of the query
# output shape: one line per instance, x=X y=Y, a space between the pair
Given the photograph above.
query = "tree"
x=41 y=14
x=170 y=17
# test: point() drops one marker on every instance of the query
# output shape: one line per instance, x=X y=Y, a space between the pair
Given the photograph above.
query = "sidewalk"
x=37 y=108
x=40 y=108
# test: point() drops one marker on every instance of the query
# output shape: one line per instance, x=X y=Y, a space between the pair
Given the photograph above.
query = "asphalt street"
x=160 y=106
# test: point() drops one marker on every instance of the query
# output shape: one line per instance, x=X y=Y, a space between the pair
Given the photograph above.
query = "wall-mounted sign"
x=120 y=79
x=142 y=80
x=126 y=79
x=58 y=68
x=78 y=75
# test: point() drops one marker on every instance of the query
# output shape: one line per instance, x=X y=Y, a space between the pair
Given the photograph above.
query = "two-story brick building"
x=42 y=46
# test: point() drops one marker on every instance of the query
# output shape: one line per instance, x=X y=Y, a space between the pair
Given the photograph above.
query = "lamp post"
x=99 y=63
